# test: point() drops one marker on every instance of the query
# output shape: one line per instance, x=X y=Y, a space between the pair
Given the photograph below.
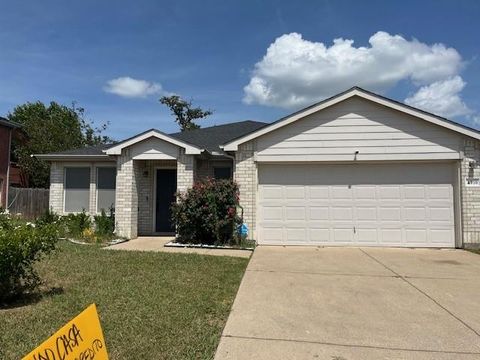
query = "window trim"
x=96 y=183
x=65 y=167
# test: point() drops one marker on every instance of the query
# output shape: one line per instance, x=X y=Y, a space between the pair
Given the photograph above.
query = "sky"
x=257 y=60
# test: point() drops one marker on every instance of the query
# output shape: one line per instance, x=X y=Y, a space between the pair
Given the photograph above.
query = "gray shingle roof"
x=88 y=150
x=209 y=138
x=212 y=137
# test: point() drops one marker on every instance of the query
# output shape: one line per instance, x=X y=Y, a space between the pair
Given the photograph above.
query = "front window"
x=106 y=178
x=77 y=189
x=223 y=172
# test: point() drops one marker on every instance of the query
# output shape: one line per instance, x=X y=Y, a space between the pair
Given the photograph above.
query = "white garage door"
x=381 y=205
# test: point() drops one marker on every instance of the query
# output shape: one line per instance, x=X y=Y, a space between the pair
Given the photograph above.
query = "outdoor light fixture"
x=472 y=164
x=355 y=156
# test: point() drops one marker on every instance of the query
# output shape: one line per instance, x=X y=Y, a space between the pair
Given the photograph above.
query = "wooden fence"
x=30 y=203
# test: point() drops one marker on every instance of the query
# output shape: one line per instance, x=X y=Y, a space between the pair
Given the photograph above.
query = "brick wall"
x=245 y=174
x=126 y=199
x=185 y=165
x=470 y=195
x=56 y=187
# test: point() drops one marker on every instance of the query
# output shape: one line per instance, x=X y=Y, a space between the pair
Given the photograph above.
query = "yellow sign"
x=80 y=339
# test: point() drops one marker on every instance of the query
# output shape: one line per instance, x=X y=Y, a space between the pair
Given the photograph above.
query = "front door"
x=166 y=188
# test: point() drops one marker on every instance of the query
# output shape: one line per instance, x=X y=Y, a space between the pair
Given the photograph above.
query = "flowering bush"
x=21 y=245
x=207 y=213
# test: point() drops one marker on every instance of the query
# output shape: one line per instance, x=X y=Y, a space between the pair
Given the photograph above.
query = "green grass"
x=475 y=251
x=151 y=305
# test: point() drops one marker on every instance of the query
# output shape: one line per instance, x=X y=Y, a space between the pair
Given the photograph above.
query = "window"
x=224 y=172
x=77 y=189
x=106 y=177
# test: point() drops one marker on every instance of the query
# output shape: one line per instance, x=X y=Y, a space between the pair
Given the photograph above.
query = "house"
x=7 y=131
x=355 y=169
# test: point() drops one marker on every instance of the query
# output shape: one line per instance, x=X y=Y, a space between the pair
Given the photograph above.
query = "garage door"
x=380 y=205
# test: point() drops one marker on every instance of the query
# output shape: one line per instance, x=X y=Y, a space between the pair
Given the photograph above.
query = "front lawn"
x=151 y=305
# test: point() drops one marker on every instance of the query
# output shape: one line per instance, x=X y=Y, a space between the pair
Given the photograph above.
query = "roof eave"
x=66 y=157
x=117 y=149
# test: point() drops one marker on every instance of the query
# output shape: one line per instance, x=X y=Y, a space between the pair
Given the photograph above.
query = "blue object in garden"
x=243 y=229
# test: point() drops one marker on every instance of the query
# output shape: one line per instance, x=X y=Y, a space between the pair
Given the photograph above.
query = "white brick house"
x=356 y=169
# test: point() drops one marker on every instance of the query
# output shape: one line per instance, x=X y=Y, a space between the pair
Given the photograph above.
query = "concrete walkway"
x=158 y=244
x=350 y=303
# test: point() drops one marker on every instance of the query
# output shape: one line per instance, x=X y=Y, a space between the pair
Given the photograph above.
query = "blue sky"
x=215 y=52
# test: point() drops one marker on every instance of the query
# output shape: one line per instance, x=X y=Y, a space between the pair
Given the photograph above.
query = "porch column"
x=126 y=196
x=184 y=171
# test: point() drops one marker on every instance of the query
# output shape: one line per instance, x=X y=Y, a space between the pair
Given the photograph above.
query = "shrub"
x=105 y=224
x=76 y=224
x=207 y=213
x=48 y=217
x=21 y=245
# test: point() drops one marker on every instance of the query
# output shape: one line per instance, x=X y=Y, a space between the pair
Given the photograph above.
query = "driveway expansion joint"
x=353 y=345
x=405 y=279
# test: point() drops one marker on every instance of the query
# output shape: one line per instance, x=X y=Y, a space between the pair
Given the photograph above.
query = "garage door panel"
x=441 y=236
x=295 y=192
x=319 y=193
x=439 y=192
x=415 y=236
x=342 y=235
x=366 y=213
x=440 y=214
x=271 y=192
x=366 y=235
x=391 y=236
x=366 y=193
x=319 y=213
x=414 y=192
x=384 y=205
x=389 y=192
x=272 y=213
x=296 y=235
x=393 y=213
x=341 y=192
x=319 y=235
x=341 y=213
x=295 y=213
x=411 y=213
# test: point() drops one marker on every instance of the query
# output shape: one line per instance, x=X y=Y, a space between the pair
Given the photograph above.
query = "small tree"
x=184 y=112
x=206 y=213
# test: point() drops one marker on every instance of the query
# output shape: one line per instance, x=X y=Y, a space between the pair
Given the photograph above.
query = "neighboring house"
x=7 y=131
x=355 y=169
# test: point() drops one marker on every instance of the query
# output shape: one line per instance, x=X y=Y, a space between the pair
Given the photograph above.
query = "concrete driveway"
x=351 y=303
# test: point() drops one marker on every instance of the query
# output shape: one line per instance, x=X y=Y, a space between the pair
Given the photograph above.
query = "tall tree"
x=51 y=128
x=184 y=112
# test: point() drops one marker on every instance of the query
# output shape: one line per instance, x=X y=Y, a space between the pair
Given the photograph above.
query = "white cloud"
x=441 y=97
x=132 y=88
x=296 y=72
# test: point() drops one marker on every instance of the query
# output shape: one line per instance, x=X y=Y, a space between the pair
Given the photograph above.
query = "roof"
x=89 y=152
x=117 y=148
x=232 y=145
x=8 y=123
x=210 y=138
